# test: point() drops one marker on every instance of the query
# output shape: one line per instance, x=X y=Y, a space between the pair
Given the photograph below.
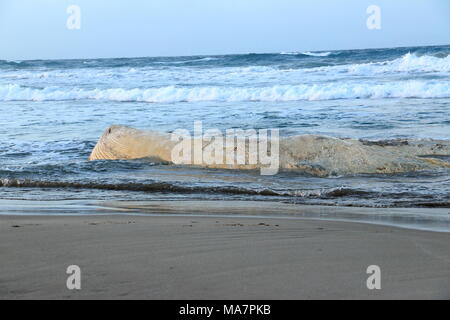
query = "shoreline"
x=426 y=219
x=174 y=257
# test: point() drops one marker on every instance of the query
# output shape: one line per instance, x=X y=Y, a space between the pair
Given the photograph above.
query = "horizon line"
x=226 y=54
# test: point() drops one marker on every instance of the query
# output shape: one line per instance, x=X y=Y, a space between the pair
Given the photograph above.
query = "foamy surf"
x=422 y=77
x=171 y=94
x=316 y=54
x=409 y=63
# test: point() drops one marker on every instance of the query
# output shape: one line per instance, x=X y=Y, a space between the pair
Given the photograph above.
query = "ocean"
x=54 y=112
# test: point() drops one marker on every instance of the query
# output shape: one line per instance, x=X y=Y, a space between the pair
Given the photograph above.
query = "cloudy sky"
x=37 y=29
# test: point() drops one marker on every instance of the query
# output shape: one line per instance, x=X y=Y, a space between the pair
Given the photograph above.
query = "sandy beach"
x=171 y=256
x=225 y=150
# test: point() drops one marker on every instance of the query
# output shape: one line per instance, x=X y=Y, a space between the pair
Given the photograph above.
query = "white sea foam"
x=316 y=54
x=308 y=53
x=13 y=61
x=168 y=94
x=249 y=83
x=409 y=63
x=205 y=59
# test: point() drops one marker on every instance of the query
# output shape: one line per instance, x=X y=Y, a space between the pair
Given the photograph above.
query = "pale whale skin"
x=311 y=154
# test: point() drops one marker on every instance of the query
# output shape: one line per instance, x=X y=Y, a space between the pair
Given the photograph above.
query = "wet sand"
x=216 y=257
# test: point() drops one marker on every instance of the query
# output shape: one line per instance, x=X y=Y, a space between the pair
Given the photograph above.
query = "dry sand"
x=192 y=257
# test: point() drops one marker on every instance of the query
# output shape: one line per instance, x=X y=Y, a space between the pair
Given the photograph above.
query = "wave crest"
x=409 y=63
x=170 y=94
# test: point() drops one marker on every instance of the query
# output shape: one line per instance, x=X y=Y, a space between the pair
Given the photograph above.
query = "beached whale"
x=311 y=154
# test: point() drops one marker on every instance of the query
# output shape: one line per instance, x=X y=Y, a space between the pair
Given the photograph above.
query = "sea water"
x=54 y=111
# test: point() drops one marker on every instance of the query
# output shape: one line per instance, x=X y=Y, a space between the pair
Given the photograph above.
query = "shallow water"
x=53 y=112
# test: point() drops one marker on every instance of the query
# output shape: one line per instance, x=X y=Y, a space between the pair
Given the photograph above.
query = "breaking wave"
x=408 y=63
x=328 y=91
x=319 y=196
x=316 y=54
x=172 y=188
x=133 y=186
x=308 y=53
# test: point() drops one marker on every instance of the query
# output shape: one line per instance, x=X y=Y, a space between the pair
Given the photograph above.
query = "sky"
x=37 y=29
